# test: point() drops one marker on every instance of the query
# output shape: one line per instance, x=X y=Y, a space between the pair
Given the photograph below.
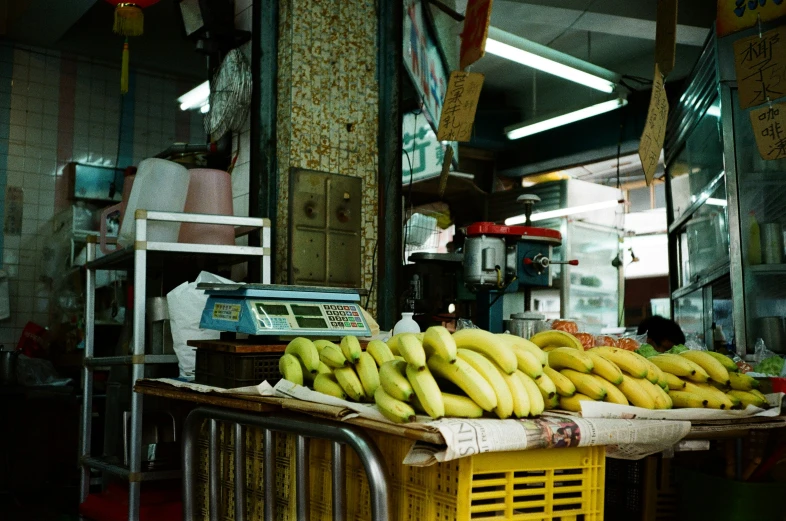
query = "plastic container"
x=540 y=484
x=406 y=324
x=209 y=192
x=160 y=185
x=231 y=370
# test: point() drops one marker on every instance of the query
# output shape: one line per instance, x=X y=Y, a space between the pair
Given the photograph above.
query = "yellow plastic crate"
x=534 y=485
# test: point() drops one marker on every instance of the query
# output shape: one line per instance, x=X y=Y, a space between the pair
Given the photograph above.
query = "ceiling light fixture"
x=553 y=214
x=196 y=98
x=534 y=126
x=546 y=59
x=717 y=202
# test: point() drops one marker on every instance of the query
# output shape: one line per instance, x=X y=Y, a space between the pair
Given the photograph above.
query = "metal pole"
x=137 y=369
x=213 y=470
x=190 y=433
x=301 y=478
x=339 y=482
x=87 y=370
x=240 y=473
x=269 y=465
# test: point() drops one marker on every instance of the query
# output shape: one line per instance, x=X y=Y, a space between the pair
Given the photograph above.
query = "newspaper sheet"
x=625 y=439
x=611 y=410
x=263 y=389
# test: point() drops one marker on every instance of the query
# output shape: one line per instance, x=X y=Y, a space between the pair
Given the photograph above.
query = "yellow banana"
x=289 y=367
x=655 y=375
x=715 y=399
x=556 y=338
x=522 y=343
x=586 y=384
x=438 y=341
x=652 y=391
x=393 y=344
x=393 y=378
x=699 y=376
x=735 y=401
x=332 y=356
x=674 y=382
x=630 y=362
x=569 y=358
x=673 y=364
x=546 y=385
x=536 y=403
x=727 y=362
x=758 y=394
x=412 y=350
x=663 y=401
x=426 y=390
x=613 y=394
x=606 y=369
x=323 y=369
x=552 y=402
x=307 y=376
x=748 y=398
x=521 y=405
x=368 y=373
x=742 y=382
x=326 y=383
x=634 y=391
x=350 y=346
x=493 y=376
x=321 y=344
x=306 y=351
x=563 y=385
x=527 y=363
x=573 y=403
x=489 y=345
x=686 y=400
x=394 y=410
x=714 y=368
x=467 y=378
x=380 y=351
x=460 y=406
x=349 y=381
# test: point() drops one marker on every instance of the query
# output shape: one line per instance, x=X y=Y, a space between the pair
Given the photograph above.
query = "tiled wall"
x=327 y=106
x=55 y=109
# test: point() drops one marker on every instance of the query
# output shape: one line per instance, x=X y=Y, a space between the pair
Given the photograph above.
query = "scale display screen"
x=278 y=310
x=306 y=311
x=311 y=322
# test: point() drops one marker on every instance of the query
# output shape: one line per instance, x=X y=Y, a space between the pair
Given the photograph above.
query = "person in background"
x=662 y=333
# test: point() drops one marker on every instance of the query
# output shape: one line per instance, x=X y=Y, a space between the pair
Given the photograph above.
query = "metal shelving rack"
x=145 y=256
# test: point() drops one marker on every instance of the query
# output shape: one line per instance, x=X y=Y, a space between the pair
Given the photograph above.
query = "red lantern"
x=129 y=21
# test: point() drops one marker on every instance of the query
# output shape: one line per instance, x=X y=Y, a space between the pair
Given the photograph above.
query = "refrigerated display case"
x=717 y=185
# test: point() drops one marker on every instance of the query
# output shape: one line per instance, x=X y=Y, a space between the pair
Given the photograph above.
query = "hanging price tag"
x=476 y=29
x=458 y=110
x=769 y=129
x=736 y=15
x=760 y=63
x=651 y=142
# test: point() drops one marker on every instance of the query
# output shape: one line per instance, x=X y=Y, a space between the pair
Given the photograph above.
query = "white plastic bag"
x=186 y=303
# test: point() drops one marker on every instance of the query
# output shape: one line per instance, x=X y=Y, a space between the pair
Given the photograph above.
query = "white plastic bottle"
x=406 y=325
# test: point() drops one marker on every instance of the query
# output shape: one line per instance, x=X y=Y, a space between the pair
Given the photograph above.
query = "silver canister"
x=159 y=334
x=771 y=243
x=771 y=330
x=484 y=261
x=527 y=324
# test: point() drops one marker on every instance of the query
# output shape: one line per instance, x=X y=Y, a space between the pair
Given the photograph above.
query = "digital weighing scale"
x=271 y=309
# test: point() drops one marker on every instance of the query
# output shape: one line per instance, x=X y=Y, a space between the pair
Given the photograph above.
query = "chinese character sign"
x=736 y=15
x=760 y=63
x=476 y=29
x=651 y=142
x=458 y=110
x=769 y=129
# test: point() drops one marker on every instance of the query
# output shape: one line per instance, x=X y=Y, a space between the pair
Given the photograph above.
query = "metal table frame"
x=302 y=427
x=138 y=258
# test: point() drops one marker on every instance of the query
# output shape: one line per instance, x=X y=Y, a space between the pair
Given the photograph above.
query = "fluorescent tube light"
x=532 y=54
x=196 y=98
x=204 y=109
x=553 y=214
x=549 y=122
x=529 y=59
x=717 y=202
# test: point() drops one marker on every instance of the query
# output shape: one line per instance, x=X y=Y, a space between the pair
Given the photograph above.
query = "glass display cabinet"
x=726 y=211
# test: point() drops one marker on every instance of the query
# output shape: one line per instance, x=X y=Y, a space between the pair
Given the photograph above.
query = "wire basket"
x=427 y=231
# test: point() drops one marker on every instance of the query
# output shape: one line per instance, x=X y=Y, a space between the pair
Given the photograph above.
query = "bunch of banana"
x=553 y=338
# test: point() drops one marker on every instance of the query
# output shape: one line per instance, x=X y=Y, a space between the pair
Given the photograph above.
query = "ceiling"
x=84 y=27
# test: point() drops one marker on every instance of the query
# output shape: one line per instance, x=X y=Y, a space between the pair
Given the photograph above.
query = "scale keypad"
x=343 y=316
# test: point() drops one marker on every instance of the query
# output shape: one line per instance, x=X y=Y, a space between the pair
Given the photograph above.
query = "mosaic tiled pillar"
x=327 y=107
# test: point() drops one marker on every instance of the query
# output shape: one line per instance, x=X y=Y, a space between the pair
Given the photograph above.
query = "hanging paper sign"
x=666 y=35
x=651 y=142
x=760 y=62
x=769 y=129
x=476 y=29
x=736 y=15
x=461 y=102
